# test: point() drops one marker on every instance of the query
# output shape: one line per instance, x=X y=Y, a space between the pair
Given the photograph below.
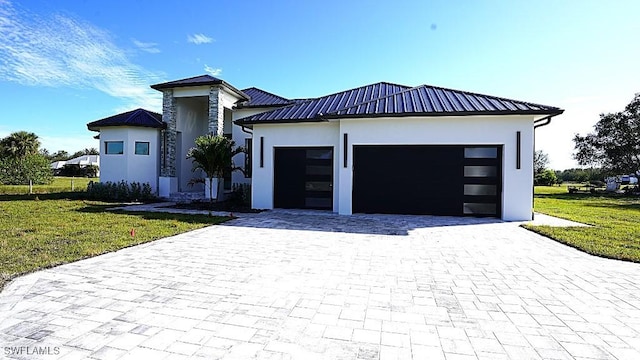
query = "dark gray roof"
x=137 y=118
x=314 y=109
x=192 y=81
x=198 y=81
x=261 y=98
x=385 y=99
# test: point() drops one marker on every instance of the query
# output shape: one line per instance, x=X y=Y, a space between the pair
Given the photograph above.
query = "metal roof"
x=313 y=109
x=192 y=81
x=137 y=118
x=261 y=98
x=201 y=80
x=385 y=99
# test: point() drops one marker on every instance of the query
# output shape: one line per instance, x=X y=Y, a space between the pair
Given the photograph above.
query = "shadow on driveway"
x=375 y=224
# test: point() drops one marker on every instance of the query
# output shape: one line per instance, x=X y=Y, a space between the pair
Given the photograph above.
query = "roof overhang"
x=98 y=127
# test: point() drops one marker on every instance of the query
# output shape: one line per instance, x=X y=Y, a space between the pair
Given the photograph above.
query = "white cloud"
x=58 y=50
x=150 y=47
x=211 y=71
x=199 y=39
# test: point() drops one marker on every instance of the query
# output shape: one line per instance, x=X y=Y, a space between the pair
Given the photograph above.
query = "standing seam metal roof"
x=260 y=98
x=136 y=118
x=386 y=99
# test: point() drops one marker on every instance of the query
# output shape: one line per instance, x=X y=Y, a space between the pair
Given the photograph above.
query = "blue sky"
x=66 y=63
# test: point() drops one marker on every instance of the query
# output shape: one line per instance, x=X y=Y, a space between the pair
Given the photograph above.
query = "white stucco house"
x=379 y=148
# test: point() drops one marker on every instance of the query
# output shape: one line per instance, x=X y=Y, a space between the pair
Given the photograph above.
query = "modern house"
x=379 y=148
x=82 y=162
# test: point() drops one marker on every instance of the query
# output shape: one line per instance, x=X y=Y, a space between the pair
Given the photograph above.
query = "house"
x=82 y=162
x=378 y=148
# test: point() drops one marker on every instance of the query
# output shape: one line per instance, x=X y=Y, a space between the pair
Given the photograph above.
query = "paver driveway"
x=286 y=285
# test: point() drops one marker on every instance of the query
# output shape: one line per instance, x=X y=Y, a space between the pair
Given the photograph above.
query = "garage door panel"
x=416 y=179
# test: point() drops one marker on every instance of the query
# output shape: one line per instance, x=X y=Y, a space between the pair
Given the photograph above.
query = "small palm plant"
x=213 y=154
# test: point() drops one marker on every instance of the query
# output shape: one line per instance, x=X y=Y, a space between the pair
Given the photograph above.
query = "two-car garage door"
x=450 y=180
x=426 y=179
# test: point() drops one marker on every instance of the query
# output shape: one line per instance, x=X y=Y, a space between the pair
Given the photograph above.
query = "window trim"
x=106 y=147
x=135 y=147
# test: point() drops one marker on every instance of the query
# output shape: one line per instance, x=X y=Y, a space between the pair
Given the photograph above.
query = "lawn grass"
x=59 y=184
x=41 y=231
x=616 y=221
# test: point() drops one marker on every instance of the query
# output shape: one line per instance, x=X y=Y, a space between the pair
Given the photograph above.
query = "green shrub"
x=120 y=191
x=241 y=194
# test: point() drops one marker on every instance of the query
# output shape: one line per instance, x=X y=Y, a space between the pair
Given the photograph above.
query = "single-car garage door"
x=303 y=178
x=423 y=179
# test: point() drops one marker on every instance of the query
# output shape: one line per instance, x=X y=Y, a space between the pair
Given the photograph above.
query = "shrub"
x=546 y=177
x=120 y=191
x=241 y=194
x=18 y=171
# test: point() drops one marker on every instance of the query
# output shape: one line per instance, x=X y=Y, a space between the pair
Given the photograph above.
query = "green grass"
x=59 y=184
x=616 y=221
x=37 y=234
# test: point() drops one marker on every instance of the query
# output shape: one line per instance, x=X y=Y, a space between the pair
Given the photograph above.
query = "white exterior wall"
x=239 y=137
x=129 y=166
x=517 y=185
x=289 y=135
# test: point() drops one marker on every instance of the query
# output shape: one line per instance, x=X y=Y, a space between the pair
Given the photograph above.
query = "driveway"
x=296 y=285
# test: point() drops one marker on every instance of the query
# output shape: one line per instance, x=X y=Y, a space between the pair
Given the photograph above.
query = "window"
x=248 y=145
x=114 y=147
x=142 y=148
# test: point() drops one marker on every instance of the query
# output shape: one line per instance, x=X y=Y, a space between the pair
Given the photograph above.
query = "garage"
x=303 y=178
x=453 y=180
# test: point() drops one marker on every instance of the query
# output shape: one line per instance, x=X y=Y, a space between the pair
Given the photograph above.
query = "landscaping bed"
x=227 y=206
x=615 y=218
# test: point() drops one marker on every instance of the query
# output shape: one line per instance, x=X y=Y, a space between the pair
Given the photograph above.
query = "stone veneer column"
x=168 y=165
x=216 y=111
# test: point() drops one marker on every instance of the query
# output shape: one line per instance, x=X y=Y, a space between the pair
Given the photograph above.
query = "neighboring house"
x=379 y=148
x=81 y=161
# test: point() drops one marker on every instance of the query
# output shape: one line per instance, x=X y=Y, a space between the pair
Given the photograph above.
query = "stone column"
x=168 y=155
x=216 y=111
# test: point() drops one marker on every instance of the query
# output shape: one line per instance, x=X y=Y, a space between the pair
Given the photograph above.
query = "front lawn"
x=616 y=221
x=37 y=234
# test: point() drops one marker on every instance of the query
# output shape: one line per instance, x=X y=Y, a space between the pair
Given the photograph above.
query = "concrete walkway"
x=296 y=285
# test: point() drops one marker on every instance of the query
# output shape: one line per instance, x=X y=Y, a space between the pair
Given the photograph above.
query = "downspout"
x=536 y=124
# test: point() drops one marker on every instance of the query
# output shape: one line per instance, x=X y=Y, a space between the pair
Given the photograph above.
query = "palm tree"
x=20 y=144
x=213 y=154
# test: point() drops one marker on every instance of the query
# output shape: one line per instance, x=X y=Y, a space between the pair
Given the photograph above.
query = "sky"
x=65 y=63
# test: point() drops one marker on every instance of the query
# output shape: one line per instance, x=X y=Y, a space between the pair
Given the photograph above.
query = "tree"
x=540 y=161
x=213 y=154
x=59 y=155
x=20 y=144
x=19 y=171
x=86 y=151
x=546 y=177
x=615 y=143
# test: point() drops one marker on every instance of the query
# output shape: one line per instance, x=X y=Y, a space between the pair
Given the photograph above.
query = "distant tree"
x=86 y=151
x=19 y=144
x=540 y=161
x=213 y=154
x=59 y=155
x=615 y=143
x=546 y=177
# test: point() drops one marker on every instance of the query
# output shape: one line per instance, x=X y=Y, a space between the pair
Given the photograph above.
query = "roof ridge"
x=445 y=89
x=378 y=98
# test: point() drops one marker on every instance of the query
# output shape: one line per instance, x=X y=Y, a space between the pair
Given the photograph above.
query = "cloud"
x=150 y=47
x=211 y=71
x=58 y=50
x=199 y=39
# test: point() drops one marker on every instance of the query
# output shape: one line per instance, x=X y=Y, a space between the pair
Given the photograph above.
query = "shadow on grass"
x=187 y=218
x=71 y=195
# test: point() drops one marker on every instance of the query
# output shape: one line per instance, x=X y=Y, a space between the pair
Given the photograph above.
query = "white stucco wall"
x=129 y=166
x=239 y=137
x=517 y=187
x=289 y=135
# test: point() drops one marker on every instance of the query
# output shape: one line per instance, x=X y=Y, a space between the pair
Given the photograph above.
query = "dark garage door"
x=421 y=179
x=303 y=178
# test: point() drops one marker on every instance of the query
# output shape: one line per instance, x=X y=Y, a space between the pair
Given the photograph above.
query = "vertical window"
x=248 y=145
x=114 y=147
x=142 y=148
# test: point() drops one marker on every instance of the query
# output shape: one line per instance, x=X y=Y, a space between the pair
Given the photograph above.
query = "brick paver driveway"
x=291 y=285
